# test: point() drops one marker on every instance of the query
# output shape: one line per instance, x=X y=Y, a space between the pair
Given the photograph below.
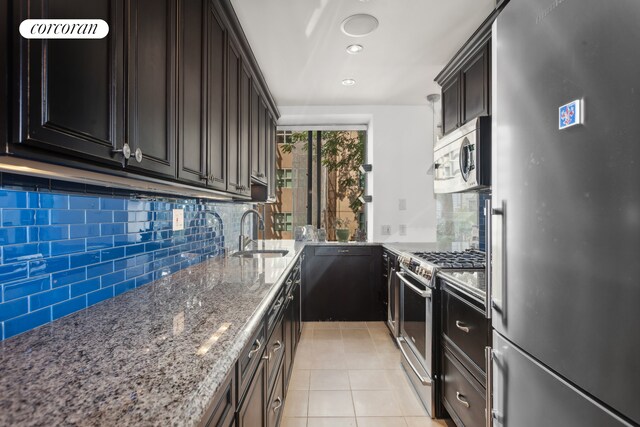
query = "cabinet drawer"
x=463 y=396
x=249 y=359
x=221 y=411
x=275 y=351
x=275 y=406
x=467 y=327
x=275 y=310
x=342 y=251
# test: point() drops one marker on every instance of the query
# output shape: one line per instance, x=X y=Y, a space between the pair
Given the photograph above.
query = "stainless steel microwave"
x=462 y=158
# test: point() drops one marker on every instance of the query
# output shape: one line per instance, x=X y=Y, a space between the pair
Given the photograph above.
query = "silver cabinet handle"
x=488 y=360
x=423 y=380
x=277 y=346
x=462 y=326
x=279 y=404
x=424 y=294
x=125 y=150
x=343 y=251
x=138 y=155
x=290 y=297
x=253 y=351
x=266 y=357
x=461 y=399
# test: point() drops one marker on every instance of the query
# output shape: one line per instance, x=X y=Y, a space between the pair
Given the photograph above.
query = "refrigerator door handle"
x=495 y=259
x=488 y=414
x=488 y=281
x=491 y=413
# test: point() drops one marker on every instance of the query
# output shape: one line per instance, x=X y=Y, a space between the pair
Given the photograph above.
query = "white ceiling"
x=301 y=50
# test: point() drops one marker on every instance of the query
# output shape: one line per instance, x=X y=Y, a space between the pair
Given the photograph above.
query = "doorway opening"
x=319 y=182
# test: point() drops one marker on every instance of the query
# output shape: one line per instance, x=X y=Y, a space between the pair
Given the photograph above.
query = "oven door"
x=416 y=336
x=393 y=299
x=417 y=317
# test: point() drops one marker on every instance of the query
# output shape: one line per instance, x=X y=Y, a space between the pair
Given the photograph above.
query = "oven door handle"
x=424 y=294
x=423 y=380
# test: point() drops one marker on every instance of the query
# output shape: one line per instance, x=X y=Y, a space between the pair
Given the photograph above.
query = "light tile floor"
x=348 y=374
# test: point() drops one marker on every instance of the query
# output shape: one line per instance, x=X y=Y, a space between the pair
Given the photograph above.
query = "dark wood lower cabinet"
x=342 y=283
x=275 y=406
x=251 y=412
x=463 y=395
x=262 y=370
x=465 y=335
x=221 y=412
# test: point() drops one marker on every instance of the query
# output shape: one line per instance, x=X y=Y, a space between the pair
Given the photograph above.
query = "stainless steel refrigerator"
x=565 y=230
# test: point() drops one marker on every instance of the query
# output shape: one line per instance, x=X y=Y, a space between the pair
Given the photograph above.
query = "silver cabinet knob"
x=125 y=150
x=138 y=155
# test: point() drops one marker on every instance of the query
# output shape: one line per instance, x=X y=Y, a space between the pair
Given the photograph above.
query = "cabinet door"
x=451 y=104
x=244 y=151
x=151 y=85
x=221 y=410
x=475 y=86
x=70 y=91
x=263 y=142
x=271 y=159
x=256 y=122
x=233 y=117
x=192 y=136
x=252 y=409
x=341 y=284
x=216 y=98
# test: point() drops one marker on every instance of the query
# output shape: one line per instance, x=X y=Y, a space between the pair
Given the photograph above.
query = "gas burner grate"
x=466 y=259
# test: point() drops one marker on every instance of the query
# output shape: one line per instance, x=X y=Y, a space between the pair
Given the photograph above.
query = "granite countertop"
x=152 y=356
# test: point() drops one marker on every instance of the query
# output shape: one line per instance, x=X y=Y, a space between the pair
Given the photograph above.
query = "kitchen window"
x=282 y=221
x=285 y=178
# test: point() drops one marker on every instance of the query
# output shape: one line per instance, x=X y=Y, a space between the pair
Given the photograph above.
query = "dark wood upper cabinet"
x=68 y=94
x=256 y=121
x=466 y=79
x=475 y=86
x=216 y=98
x=244 y=153
x=263 y=142
x=174 y=82
x=271 y=161
x=192 y=99
x=238 y=123
x=233 y=117
x=451 y=104
x=151 y=71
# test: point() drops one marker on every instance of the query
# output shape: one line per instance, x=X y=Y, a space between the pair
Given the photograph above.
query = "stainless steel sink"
x=261 y=253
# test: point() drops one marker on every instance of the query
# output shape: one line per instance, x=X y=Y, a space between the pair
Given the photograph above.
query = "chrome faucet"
x=245 y=240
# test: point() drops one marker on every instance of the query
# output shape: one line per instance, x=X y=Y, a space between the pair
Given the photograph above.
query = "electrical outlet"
x=402 y=204
x=386 y=230
x=402 y=229
x=178 y=219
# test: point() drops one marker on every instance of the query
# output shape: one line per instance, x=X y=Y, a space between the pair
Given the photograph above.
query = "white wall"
x=400 y=147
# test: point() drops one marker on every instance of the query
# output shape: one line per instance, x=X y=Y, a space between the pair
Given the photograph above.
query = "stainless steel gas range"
x=419 y=331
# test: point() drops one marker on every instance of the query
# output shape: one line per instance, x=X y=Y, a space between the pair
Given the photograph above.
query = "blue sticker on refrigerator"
x=570 y=114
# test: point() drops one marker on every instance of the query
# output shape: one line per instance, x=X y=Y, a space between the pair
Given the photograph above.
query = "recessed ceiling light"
x=348 y=82
x=359 y=25
x=354 y=48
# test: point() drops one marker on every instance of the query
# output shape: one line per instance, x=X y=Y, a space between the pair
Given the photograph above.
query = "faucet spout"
x=243 y=241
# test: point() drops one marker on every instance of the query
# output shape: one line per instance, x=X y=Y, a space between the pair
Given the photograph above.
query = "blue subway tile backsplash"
x=61 y=252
